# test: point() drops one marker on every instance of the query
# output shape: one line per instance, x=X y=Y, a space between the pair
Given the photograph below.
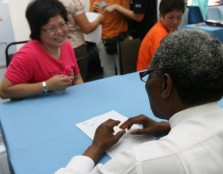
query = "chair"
x=214 y=13
x=8 y=55
x=194 y=15
x=128 y=53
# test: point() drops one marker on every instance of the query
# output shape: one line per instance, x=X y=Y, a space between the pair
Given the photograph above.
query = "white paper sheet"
x=127 y=141
x=94 y=36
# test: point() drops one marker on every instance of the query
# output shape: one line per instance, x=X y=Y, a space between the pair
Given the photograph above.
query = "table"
x=214 y=30
x=40 y=132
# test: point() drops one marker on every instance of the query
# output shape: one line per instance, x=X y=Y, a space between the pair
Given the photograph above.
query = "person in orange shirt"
x=142 y=15
x=171 y=12
x=115 y=26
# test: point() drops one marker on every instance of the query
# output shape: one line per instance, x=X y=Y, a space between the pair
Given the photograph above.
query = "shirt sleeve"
x=20 y=69
x=77 y=165
x=76 y=8
x=124 y=162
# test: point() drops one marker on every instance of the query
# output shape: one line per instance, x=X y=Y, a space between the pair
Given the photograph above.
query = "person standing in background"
x=171 y=12
x=142 y=16
x=148 y=11
x=114 y=28
x=78 y=24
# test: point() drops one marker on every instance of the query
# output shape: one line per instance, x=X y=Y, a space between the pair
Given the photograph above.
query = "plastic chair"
x=194 y=15
x=128 y=54
x=214 y=13
x=8 y=55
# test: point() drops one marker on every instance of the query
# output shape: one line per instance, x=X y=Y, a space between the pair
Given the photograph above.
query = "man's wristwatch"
x=45 y=90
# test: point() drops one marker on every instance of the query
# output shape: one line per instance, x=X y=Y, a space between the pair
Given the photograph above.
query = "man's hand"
x=104 y=134
x=104 y=139
x=150 y=126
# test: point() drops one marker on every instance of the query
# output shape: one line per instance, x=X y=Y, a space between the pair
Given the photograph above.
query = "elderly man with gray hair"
x=184 y=83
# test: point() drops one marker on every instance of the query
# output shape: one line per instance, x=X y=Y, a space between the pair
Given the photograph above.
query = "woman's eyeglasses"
x=53 y=29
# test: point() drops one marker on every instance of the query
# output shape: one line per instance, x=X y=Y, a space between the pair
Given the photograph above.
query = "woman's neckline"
x=53 y=52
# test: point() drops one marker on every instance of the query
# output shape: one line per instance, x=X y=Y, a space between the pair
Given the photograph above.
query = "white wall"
x=20 y=26
x=6 y=31
x=17 y=10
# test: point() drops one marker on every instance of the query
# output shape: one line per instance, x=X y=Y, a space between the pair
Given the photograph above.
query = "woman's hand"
x=150 y=126
x=59 y=82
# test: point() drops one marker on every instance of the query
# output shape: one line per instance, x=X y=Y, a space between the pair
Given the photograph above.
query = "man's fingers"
x=138 y=132
x=127 y=124
x=119 y=134
x=112 y=123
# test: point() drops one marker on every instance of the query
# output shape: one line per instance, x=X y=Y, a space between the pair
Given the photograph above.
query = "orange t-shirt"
x=149 y=45
x=114 y=23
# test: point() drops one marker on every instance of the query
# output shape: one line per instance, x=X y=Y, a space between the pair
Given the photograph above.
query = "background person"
x=78 y=24
x=142 y=16
x=47 y=62
x=114 y=28
x=184 y=86
x=171 y=12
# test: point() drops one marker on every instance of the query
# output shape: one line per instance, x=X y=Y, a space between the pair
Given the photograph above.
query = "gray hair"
x=194 y=60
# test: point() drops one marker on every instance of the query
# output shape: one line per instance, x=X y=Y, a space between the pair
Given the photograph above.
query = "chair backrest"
x=194 y=15
x=128 y=53
x=8 y=55
x=215 y=13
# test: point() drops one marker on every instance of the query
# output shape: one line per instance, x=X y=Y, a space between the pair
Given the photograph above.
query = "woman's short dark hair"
x=167 y=6
x=39 y=12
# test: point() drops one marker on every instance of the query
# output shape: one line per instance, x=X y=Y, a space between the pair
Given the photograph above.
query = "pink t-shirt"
x=33 y=64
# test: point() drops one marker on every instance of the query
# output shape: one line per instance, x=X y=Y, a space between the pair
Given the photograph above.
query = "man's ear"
x=167 y=85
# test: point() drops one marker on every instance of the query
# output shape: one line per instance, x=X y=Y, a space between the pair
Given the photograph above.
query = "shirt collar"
x=192 y=112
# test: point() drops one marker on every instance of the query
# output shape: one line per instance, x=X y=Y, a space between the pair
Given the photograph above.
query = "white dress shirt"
x=193 y=146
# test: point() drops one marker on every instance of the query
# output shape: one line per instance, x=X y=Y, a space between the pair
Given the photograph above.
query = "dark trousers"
x=82 y=61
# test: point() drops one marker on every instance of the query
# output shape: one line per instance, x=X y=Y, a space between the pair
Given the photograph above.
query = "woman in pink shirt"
x=47 y=62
